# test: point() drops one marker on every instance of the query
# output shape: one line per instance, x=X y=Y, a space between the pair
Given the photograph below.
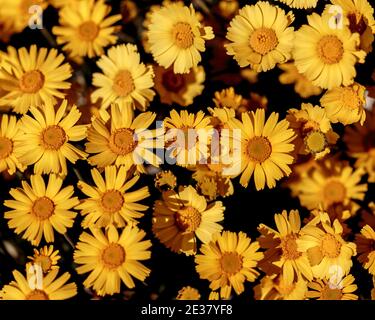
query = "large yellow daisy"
x=261 y=36
x=33 y=78
x=265 y=148
x=182 y=217
x=176 y=37
x=45 y=138
x=109 y=201
x=120 y=139
x=52 y=288
x=86 y=28
x=326 y=55
x=112 y=258
x=227 y=261
x=124 y=79
x=38 y=210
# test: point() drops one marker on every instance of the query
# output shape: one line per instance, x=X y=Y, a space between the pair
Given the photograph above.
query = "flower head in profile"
x=33 y=78
x=227 y=261
x=38 y=210
x=112 y=258
x=46 y=138
x=46 y=257
x=85 y=28
x=177 y=37
x=261 y=36
x=188 y=293
x=300 y=4
x=365 y=242
x=165 y=180
x=182 y=217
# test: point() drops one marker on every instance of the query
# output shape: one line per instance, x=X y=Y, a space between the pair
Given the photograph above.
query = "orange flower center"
x=231 y=263
x=113 y=256
x=350 y=99
x=183 y=35
x=259 y=149
x=331 y=294
x=31 y=81
x=53 y=137
x=123 y=83
x=330 y=49
x=45 y=262
x=289 y=247
x=122 y=142
x=188 y=219
x=112 y=201
x=43 y=208
x=334 y=192
x=330 y=246
x=37 y=295
x=88 y=31
x=263 y=40
x=6 y=147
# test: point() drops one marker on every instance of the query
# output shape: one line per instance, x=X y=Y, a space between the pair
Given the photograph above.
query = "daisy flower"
x=45 y=138
x=324 y=55
x=86 y=28
x=261 y=36
x=281 y=245
x=361 y=144
x=112 y=258
x=227 y=261
x=176 y=37
x=117 y=138
x=188 y=293
x=124 y=79
x=187 y=136
x=325 y=247
x=228 y=98
x=46 y=257
x=9 y=132
x=52 y=288
x=110 y=201
x=182 y=217
x=365 y=242
x=345 y=104
x=179 y=88
x=165 y=180
x=324 y=290
x=359 y=17
x=39 y=210
x=33 y=78
x=265 y=148
x=300 y=4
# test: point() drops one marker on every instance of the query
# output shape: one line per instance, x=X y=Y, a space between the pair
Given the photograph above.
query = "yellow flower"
x=329 y=254
x=282 y=249
x=366 y=248
x=165 y=180
x=52 y=288
x=313 y=129
x=227 y=261
x=324 y=55
x=63 y=3
x=260 y=36
x=177 y=37
x=324 y=290
x=181 y=217
x=361 y=144
x=110 y=202
x=47 y=258
x=359 y=17
x=124 y=79
x=300 y=4
x=227 y=98
x=86 y=28
x=187 y=136
x=117 y=138
x=45 y=138
x=38 y=210
x=112 y=258
x=304 y=87
x=345 y=104
x=33 y=78
x=179 y=88
x=331 y=183
x=9 y=153
x=265 y=148
x=188 y=293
